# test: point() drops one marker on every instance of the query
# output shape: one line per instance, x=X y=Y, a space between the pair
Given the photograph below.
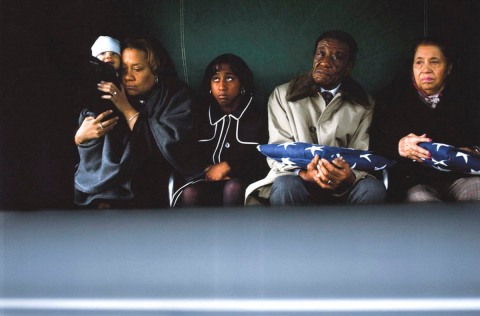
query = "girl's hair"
x=238 y=67
x=158 y=58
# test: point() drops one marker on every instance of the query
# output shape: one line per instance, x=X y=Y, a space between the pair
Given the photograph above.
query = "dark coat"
x=400 y=111
x=234 y=138
x=126 y=165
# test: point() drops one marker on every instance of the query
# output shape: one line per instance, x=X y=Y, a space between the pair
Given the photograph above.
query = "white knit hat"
x=105 y=44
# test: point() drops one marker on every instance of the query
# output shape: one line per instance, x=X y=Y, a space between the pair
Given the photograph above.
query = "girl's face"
x=137 y=76
x=111 y=58
x=226 y=87
x=430 y=69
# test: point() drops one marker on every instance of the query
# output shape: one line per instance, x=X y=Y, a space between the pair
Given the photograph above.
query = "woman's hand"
x=119 y=99
x=408 y=148
x=217 y=172
x=335 y=174
x=92 y=128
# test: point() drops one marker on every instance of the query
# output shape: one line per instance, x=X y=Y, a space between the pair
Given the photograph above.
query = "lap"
x=459 y=189
x=291 y=190
x=213 y=193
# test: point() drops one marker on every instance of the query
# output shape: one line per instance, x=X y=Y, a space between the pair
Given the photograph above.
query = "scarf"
x=430 y=100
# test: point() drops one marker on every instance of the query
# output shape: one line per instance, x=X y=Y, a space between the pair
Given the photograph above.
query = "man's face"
x=331 y=63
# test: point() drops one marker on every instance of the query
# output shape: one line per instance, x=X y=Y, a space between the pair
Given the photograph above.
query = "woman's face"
x=225 y=87
x=137 y=77
x=110 y=58
x=430 y=68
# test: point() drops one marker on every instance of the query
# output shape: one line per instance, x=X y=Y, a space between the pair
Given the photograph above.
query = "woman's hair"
x=158 y=58
x=238 y=67
x=343 y=37
x=444 y=47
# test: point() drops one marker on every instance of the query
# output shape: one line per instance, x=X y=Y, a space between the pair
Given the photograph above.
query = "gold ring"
x=101 y=126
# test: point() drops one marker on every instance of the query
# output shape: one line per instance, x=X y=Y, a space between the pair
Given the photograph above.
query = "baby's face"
x=111 y=58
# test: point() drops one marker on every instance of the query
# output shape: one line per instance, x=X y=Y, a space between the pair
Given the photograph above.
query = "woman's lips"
x=427 y=79
x=131 y=89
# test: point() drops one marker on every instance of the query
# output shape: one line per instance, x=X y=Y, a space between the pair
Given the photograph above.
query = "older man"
x=323 y=106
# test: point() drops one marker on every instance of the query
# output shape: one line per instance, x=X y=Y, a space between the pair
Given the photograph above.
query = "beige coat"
x=297 y=113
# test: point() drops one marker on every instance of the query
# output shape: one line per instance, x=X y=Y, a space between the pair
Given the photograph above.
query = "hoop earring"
x=242 y=92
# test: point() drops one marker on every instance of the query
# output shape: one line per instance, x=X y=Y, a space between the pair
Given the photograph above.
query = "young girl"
x=230 y=126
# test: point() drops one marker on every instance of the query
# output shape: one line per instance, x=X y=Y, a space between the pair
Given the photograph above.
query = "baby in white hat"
x=107 y=49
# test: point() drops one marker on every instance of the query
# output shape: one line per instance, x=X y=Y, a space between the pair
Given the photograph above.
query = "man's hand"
x=328 y=175
x=311 y=172
x=335 y=174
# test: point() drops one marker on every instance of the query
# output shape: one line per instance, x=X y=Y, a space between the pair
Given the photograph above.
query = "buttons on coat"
x=227 y=145
x=312 y=129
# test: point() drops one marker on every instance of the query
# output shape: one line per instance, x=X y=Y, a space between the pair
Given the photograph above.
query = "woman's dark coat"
x=136 y=165
x=400 y=111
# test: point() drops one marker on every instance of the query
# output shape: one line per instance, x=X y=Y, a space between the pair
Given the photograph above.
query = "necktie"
x=327 y=96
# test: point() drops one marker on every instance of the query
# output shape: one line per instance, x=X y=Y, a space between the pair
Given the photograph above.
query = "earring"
x=210 y=92
x=242 y=92
x=156 y=79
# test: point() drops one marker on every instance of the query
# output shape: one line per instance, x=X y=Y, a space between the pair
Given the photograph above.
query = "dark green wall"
x=276 y=37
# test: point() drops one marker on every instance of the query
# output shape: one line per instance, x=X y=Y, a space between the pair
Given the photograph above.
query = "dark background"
x=43 y=44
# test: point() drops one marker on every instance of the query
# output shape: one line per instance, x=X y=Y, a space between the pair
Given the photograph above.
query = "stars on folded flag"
x=444 y=157
x=438 y=162
x=285 y=145
x=477 y=172
x=366 y=157
x=447 y=158
x=288 y=162
x=441 y=169
x=440 y=145
x=464 y=155
x=298 y=154
x=314 y=148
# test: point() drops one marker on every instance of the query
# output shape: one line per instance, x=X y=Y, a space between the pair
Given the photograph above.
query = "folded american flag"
x=298 y=154
x=448 y=158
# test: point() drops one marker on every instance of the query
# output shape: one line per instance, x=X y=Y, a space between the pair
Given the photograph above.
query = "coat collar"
x=303 y=86
x=217 y=115
x=140 y=102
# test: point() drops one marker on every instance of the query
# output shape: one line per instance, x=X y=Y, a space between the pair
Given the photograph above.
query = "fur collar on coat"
x=303 y=86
